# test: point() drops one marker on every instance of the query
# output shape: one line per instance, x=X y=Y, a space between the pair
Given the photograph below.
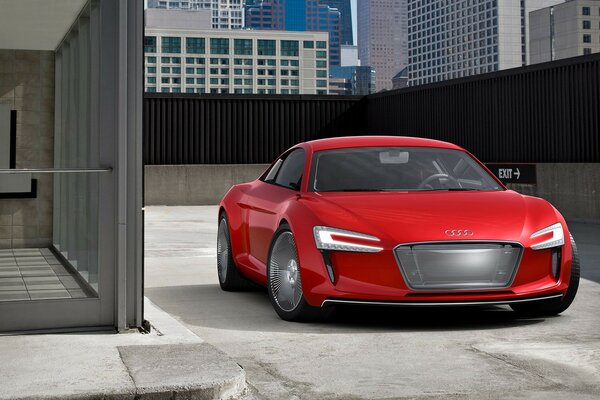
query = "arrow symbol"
x=518 y=173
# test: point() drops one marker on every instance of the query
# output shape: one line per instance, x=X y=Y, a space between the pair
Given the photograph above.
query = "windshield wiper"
x=451 y=190
x=363 y=190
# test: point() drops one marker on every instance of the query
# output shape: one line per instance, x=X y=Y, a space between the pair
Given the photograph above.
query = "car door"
x=268 y=199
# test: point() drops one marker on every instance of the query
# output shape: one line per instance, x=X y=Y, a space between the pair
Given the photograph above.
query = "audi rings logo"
x=459 y=232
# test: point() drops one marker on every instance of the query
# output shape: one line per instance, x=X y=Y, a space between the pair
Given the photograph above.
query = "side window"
x=273 y=171
x=290 y=172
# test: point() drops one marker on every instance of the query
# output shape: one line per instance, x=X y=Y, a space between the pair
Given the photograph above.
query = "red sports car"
x=392 y=221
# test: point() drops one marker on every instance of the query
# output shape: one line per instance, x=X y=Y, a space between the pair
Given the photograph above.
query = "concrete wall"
x=27 y=86
x=181 y=185
x=574 y=189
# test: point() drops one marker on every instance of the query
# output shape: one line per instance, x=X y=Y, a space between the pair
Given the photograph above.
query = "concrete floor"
x=374 y=353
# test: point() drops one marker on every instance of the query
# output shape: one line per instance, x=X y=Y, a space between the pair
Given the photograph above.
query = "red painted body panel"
x=256 y=209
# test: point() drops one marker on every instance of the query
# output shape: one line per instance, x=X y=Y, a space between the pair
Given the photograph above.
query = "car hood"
x=427 y=216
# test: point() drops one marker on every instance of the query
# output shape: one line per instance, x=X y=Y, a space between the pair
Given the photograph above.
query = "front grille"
x=458 y=265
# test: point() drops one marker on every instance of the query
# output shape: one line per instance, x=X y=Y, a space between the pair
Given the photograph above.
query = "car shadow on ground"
x=207 y=306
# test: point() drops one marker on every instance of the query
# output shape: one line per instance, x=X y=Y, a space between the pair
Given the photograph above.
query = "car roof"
x=377 y=141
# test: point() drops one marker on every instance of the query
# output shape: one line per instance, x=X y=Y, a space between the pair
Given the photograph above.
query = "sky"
x=354 y=20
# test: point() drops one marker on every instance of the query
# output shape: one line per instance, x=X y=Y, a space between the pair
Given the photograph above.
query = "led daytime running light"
x=558 y=237
x=325 y=241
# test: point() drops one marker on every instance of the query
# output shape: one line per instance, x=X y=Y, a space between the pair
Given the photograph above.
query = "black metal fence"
x=241 y=129
x=543 y=113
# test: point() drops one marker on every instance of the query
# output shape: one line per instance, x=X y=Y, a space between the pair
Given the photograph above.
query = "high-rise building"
x=226 y=14
x=298 y=15
x=345 y=9
x=565 y=30
x=181 y=60
x=452 y=39
x=382 y=38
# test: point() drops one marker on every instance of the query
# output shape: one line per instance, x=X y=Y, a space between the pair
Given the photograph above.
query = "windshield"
x=397 y=169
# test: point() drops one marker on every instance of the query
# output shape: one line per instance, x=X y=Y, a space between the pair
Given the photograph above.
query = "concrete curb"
x=170 y=363
x=183 y=371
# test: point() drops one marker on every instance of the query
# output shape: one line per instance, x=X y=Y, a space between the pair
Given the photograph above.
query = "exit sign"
x=514 y=173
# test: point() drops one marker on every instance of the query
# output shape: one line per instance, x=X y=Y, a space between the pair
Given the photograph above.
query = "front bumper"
x=377 y=279
x=331 y=302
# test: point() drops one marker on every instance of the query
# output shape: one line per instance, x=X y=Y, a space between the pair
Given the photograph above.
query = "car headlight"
x=552 y=236
x=342 y=240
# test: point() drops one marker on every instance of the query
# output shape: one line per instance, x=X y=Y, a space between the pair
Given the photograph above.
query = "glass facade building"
x=298 y=15
x=353 y=80
x=345 y=9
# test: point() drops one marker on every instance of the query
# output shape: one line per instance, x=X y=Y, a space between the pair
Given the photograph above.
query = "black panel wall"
x=542 y=113
x=238 y=129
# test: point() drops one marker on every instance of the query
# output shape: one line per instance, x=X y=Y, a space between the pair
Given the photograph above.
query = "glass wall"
x=76 y=147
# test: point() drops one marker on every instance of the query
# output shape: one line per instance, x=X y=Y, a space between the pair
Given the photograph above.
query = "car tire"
x=284 y=283
x=230 y=278
x=555 y=306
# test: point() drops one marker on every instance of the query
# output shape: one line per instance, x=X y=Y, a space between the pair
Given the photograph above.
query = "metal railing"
x=6 y=171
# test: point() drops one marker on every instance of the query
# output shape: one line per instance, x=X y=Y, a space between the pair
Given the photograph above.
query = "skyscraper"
x=226 y=14
x=298 y=15
x=450 y=40
x=565 y=30
x=382 y=38
x=345 y=9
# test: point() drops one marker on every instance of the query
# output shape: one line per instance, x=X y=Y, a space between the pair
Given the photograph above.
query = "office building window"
x=266 y=47
x=171 y=44
x=151 y=60
x=219 y=46
x=321 y=54
x=321 y=74
x=321 y=64
x=242 y=46
x=587 y=24
x=309 y=44
x=587 y=50
x=195 y=45
x=321 y=44
x=585 y=10
x=289 y=48
x=321 y=84
x=587 y=38
x=151 y=70
x=149 y=44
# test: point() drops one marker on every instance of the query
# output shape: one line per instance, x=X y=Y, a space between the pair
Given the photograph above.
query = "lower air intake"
x=458 y=266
